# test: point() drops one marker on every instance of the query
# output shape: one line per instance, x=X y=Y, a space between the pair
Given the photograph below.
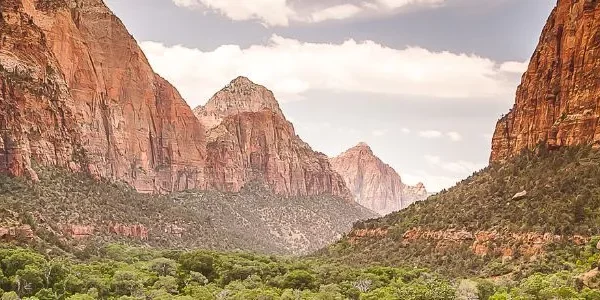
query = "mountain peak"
x=375 y=184
x=239 y=96
x=362 y=146
x=242 y=81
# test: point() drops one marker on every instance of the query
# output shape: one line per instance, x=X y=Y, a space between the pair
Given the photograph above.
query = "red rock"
x=79 y=231
x=91 y=100
x=374 y=184
x=16 y=233
x=250 y=139
x=557 y=101
x=133 y=231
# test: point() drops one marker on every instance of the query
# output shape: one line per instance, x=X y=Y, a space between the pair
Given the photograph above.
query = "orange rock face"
x=557 y=102
x=254 y=141
x=78 y=92
x=374 y=184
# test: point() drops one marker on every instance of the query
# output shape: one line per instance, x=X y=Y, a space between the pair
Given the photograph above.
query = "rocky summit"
x=557 y=101
x=374 y=184
x=249 y=138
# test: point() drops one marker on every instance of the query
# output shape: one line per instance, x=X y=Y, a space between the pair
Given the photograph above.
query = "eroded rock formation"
x=557 y=102
x=250 y=139
x=78 y=92
x=374 y=184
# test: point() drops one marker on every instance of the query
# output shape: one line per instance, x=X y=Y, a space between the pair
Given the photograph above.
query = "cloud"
x=290 y=68
x=460 y=167
x=338 y=12
x=454 y=136
x=282 y=12
x=514 y=67
x=269 y=12
x=405 y=130
x=430 y=134
x=400 y=3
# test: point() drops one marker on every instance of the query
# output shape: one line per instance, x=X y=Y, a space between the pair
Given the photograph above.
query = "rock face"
x=250 y=139
x=374 y=184
x=557 y=102
x=78 y=92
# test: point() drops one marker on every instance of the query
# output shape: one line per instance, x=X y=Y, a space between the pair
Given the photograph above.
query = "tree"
x=198 y=261
x=299 y=280
x=126 y=283
x=163 y=266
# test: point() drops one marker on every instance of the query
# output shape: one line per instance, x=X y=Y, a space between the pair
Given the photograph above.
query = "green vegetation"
x=563 y=198
x=253 y=219
x=122 y=272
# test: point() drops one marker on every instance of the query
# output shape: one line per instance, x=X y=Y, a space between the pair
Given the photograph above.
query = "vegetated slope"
x=74 y=210
x=482 y=226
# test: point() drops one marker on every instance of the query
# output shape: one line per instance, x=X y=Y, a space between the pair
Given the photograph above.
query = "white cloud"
x=269 y=12
x=290 y=68
x=405 y=130
x=514 y=67
x=400 y=3
x=460 y=167
x=282 y=12
x=430 y=134
x=338 y=12
x=454 y=136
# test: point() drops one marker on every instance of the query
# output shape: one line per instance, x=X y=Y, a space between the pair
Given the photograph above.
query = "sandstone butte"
x=374 y=184
x=77 y=92
x=557 y=101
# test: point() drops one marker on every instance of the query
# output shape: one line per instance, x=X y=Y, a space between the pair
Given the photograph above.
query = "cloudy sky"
x=421 y=81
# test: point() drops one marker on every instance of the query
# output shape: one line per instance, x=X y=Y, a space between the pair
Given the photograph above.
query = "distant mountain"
x=374 y=184
x=248 y=138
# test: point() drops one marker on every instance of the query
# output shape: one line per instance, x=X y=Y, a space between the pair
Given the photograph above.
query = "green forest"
x=122 y=272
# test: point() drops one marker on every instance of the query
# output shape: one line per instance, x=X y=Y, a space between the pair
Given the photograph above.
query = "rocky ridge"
x=248 y=139
x=374 y=184
x=556 y=103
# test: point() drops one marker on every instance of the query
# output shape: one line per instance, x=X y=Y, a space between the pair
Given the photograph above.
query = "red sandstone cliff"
x=557 y=102
x=374 y=184
x=77 y=92
x=249 y=138
x=84 y=96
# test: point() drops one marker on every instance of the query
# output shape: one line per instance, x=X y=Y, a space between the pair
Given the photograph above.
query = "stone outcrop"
x=374 y=184
x=250 y=139
x=557 y=102
x=78 y=92
x=137 y=231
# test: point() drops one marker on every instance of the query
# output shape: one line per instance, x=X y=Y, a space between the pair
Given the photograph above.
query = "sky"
x=423 y=82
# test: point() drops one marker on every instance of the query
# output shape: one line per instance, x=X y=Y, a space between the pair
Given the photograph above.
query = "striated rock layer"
x=78 y=92
x=250 y=139
x=374 y=184
x=557 y=102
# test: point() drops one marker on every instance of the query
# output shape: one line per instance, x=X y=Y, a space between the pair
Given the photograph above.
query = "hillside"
x=519 y=216
x=75 y=211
